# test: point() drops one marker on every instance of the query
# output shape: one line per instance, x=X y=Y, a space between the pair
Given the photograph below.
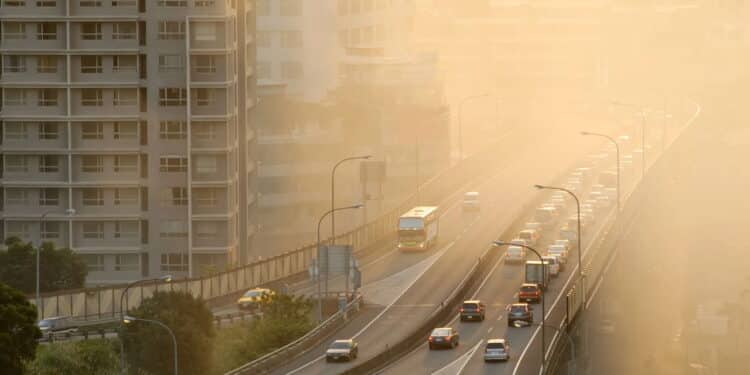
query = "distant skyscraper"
x=134 y=113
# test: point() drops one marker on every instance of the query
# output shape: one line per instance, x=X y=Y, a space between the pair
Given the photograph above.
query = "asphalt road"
x=463 y=238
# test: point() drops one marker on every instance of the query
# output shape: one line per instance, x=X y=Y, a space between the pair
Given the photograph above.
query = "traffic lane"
x=451 y=268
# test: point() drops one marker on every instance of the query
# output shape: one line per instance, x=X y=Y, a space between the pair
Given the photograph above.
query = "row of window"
x=94 y=97
x=289 y=38
x=168 y=130
x=204 y=164
x=170 y=197
x=81 y=3
x=93 y=64
x=287 y=8
x=169 y=262
x=95 y=230
x=168 y=30
x=360 y=6
x=290 y=70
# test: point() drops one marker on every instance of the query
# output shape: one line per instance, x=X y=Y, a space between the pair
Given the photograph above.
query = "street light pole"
x=69 y=212
x=544 y=271
x=331 y=211
x=333 y=197
x=129 y=319
x=580 y=238
x=460 y=122
x=165 y=278
x=617 y=148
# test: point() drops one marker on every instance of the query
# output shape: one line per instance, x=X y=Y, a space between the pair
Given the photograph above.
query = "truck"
x=537 y=273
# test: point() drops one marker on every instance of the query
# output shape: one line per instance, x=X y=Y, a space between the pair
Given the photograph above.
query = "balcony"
x=122 y=8
x=211 y=234
x=38 y=70
x=209 y=201
x=29 y=9
x=24 y=168
x=105 y=136
x=120 y=69
x=26 y=36
x=105 y=103
x=106 y=235
x=32 y=103
x=42 y=136
x=210 y=102
x=209 y=36
x=92 y=202
x=210 y=168
x=25 y=202
x=209 y=136
x=105 y=170
x=211 y=69
x=104 y=36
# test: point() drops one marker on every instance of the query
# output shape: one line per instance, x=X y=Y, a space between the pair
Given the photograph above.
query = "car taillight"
x=461 y=310
x=429 y=339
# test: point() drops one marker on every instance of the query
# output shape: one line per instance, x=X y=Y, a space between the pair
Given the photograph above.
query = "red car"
x=530 y=293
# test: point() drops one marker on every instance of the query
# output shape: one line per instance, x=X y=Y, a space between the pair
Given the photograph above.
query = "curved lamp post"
x=129 y=319
x=617 y=148
x=544 y=271
x=331 y=211
x=165 y=278
x=333 y=197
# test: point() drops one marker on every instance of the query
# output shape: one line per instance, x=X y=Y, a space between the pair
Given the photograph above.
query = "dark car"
x=529 y=293
x=346 y=350
x=446 y=337
x=520 y=311
x=472 y=310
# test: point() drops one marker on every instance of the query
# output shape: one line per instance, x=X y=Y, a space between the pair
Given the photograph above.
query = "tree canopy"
x=60 y=268
x=18 y=330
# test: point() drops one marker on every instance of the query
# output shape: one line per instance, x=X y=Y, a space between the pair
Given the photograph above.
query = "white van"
x=515 y=254
x=531 y=236
x=554 y=265
x=471 y=201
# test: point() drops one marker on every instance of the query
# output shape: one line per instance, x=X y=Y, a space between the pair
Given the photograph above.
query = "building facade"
x=125 y=132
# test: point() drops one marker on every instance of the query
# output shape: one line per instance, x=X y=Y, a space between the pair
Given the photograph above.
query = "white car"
x=564 y=243
x=558 y=250
x=497 y=350
x=553 y=265
x=531 y=236
x=346 y=350
x=515 y=254
x=533 y=225
x=604 y=202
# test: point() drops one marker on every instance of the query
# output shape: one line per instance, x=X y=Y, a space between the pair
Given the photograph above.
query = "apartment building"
x=125 y=132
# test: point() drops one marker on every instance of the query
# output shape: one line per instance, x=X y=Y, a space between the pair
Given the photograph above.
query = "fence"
x=104 y=302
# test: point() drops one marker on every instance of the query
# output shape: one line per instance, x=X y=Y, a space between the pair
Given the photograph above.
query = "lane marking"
x=459 y=362
x=491 y=328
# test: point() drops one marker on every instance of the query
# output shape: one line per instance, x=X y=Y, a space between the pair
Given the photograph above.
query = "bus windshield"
x=410 y=223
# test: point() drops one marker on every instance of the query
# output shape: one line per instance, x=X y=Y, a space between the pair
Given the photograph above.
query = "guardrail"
x=103 y=302
x=271 y=360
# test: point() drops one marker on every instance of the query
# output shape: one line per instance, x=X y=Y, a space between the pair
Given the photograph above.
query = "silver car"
x=497 y=350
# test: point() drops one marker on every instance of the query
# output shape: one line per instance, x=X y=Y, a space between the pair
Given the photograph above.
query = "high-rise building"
x=134 y=115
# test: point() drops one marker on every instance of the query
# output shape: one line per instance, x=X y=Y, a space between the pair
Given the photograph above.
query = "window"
x=172 y=96
x=126 y=197
x=14 y=30
x=172 y=3
x=94 y=262
x=174 y=196
x=173 y=229
x=291 y=70
x=92 y=163
x=174 y=262
x=206 y=164
x=93 y=197
x=291 y=39
x=171 y=63
x=15 y=130
x=50 y=230
x=171 y=30
x=90 y=3
x=48 y=130
x=343 y=7
x=18 y=229
x=46 y=64
x=124 y=64
x=173 y=164
x=205 y=96
x=127 y=262
x=16 y=196
x=204 y=3
x=206 y=230
x=126 y=163
x=205 y=32
x=126 y=229
x=172 y=130
x=14 y=3
x=263 y=38
x=49 y=164
x=91 y=64
x=123 y=3
x=263 y=7
x=123 y=30
x=125 y=130
x=16 y=163
x=49 y=197
x=93 y=231
x=47 y=97
x=92 y=130
x=205 y=64
x=291 y=7
x=91 y=31
x=263 y=69
x=92 y=97
x=205 y=198
x=125 y=97
x=205 y=130
x=14 y=64
x=15 y=97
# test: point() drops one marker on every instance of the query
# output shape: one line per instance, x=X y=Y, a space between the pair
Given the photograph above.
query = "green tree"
x=149 y=347
x=60 y=268
x=98 y=356
x=18 y=330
